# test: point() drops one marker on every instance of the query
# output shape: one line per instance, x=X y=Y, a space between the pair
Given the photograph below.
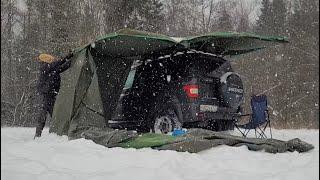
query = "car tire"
x=165 y=117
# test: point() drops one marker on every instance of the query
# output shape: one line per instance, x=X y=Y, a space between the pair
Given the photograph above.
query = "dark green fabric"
x=92 y=100
x=196 y=140
x=112 y=74
x=128 y=42
x=83 y=82
x=64 y=105
x=231 y=43
x=136 y=33
x=85 y=117
x=89 y=93
x=89 y=111
x=102 y=135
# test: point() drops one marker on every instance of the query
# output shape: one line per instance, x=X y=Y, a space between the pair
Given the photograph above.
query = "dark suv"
x=185 y=89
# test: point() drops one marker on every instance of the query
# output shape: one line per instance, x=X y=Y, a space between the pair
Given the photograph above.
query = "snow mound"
x=54 y=157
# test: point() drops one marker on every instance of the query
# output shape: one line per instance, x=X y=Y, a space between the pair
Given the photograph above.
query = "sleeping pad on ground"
x=195 y=140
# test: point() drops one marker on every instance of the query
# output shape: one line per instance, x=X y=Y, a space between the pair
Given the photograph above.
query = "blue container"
x=178 y=132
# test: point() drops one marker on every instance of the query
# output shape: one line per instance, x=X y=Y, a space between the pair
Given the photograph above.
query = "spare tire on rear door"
x=231 y=89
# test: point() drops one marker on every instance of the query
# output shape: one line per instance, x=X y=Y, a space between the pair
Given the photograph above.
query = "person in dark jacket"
x=49 y=84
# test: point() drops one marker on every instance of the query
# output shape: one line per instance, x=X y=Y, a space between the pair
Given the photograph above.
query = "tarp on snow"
x=196 y=140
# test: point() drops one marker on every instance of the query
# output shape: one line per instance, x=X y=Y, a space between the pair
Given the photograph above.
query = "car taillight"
x=191 y=90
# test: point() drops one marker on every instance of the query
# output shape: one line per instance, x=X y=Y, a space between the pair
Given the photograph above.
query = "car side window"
x=130 y=79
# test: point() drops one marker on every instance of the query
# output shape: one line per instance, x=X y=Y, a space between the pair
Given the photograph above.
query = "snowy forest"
x=288 y=74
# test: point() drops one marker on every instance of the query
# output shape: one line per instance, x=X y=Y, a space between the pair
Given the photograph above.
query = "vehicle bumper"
x=122 y=124
x=192 y=113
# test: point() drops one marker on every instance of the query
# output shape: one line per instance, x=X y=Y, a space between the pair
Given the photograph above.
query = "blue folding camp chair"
x=259 y=119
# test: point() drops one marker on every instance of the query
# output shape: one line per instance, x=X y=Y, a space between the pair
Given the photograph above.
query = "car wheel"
x=165 y=119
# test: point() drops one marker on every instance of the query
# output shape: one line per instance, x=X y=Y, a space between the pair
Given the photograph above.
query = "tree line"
x=288 y=74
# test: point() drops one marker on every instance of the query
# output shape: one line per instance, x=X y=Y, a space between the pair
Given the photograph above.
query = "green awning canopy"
x=128 y=42
x=230 y=43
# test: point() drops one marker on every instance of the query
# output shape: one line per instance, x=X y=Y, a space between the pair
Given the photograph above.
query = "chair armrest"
x=267 y=111
x=240 y=116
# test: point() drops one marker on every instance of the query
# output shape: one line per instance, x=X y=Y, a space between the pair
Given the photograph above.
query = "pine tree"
x=304 y=53
x=153 y=16
x=224 y=18
x=63 y=26
x=278 y=21
x=264 y=21
x=243 y=24
x=118 y=13
x=147 y=16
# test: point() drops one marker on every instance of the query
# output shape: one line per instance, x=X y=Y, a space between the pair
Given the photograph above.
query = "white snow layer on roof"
x=54 y=157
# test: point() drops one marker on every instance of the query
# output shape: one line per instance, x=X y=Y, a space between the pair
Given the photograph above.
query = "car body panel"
x=149 y=80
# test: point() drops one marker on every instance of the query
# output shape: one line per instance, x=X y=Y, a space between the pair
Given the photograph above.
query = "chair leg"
x=247 y=132
x=269 y=122
x=270 y=128
x=243 y=133
x=262 y=134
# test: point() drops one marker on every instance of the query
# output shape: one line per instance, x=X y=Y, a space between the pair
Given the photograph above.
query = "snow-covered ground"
x=54 y=157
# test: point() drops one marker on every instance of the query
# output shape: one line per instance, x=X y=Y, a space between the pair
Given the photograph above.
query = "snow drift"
x=54 y=157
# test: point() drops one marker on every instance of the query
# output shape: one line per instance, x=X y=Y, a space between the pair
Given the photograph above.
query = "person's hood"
x=46 y=58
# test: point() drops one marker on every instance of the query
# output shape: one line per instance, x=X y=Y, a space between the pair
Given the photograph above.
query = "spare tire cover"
x=231 y=89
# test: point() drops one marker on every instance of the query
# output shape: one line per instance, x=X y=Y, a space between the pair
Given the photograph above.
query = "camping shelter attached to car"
x=92 y=85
